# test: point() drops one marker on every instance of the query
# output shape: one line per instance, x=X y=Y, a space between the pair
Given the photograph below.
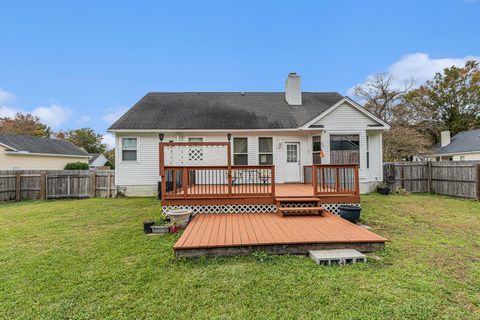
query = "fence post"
x=17 y=186
x=43 y=187
x=403 y=175
x=478 y=182
x=429 y=172
x=93 y=184
x=109 y=185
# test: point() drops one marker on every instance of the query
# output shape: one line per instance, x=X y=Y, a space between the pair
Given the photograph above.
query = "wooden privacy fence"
x=55 y=184
x=453 y=178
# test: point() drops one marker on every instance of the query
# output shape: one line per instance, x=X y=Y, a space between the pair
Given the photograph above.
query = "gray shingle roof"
x=41 y=145
x=224 y=110
x=465 y=141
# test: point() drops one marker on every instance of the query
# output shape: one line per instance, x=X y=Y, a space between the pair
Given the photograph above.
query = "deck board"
x=263 y=229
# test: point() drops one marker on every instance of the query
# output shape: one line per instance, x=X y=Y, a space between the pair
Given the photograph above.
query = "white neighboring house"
x=463 y=146
x=97 y=160
x=288 y=129
x=19 y=152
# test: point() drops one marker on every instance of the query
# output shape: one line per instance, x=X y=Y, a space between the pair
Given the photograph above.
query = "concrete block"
x=337 y=256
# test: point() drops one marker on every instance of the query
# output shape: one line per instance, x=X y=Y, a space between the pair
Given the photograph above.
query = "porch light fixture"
x=229 y=136
x=161 y=136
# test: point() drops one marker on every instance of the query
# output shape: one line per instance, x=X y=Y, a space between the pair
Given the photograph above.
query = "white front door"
x=292 y=166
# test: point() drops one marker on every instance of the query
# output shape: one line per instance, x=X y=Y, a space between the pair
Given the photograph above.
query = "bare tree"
x=380 y=97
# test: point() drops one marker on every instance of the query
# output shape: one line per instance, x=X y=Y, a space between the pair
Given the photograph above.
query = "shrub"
x=109 y=164
x=76 y=166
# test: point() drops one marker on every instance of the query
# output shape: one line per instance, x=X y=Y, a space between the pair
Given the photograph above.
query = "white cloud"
x=420 y=67
x=114 y=115
x=7 y=112
x=6 y=96
x=55 y=115
x=109 y=140
x=83 y=120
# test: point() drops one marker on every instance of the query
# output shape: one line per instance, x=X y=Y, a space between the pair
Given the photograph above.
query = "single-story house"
x=462 y=146
x=97 y=160
x=289 y=130
x=28 y=152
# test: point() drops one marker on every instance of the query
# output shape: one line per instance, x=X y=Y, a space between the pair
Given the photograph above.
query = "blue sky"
x=83 y=63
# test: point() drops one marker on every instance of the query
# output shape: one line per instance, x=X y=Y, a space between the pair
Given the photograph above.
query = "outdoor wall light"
x=161 y=136
x=229 y=136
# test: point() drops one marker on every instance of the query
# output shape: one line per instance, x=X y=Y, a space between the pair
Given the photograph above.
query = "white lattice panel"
x=230 y=208
x=250 y=208
x=333 y=207
x=189 y=155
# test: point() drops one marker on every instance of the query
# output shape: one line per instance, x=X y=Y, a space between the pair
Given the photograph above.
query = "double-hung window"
x=317 y=149
x=240 y=151
x=265 y=151
x=129 y=149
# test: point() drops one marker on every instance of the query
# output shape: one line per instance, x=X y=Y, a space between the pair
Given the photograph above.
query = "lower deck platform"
x=245 y=233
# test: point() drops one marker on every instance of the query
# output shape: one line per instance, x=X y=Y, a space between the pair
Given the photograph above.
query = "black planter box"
x=147 y=226
x=350 y=213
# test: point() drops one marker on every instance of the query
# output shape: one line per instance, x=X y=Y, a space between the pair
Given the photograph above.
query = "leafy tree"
x=110 y=154
x=25 y=124
x=85 y=138
x=451 y=101
x=401 y=142
x=76 y=166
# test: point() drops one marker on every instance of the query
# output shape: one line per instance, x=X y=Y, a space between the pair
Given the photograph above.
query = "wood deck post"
x=357 y=180
x=229 y=159
x=185 y=181
x=161 y=157
x=314 y=180
x=273 y=181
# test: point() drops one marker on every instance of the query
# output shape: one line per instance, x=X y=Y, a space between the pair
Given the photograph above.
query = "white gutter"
x=25 y=153
x=212 y=130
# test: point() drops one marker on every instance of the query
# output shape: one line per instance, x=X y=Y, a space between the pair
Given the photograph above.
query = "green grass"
x=88 y=259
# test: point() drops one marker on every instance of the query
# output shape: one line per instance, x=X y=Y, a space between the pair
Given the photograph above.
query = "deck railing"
x=218 y=181
x=333 y=179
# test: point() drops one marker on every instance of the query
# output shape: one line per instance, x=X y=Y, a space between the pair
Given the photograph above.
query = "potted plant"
x=349 y=212
x=383 y=188
x=179 y=216
x=163 y=226
x=174 y=228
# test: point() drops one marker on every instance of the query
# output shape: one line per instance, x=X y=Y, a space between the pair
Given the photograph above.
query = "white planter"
x=179 y=216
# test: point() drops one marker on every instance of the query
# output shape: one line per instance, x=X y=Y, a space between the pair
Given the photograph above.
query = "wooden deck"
x=236 y=234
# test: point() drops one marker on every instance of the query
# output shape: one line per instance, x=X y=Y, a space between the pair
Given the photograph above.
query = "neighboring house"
x=289 y=130
x=463 y=146
x=28 y=152
x=97 y=160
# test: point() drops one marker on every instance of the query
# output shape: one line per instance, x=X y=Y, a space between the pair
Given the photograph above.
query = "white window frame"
x=260 y=153
x=321 y=147
x=137 y=149
x=233 y=150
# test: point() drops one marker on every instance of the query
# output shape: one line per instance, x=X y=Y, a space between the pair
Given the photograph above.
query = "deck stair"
x=298 y=206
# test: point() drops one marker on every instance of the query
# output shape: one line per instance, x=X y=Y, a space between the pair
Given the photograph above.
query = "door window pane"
x=292 y=155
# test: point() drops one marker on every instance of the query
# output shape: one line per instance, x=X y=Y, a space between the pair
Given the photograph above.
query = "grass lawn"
x=89 y=259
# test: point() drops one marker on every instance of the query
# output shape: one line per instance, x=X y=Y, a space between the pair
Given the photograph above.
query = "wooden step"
x=301 y=211
x=297 y=199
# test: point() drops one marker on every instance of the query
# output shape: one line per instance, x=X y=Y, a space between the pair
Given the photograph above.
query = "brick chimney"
x=293 y=93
